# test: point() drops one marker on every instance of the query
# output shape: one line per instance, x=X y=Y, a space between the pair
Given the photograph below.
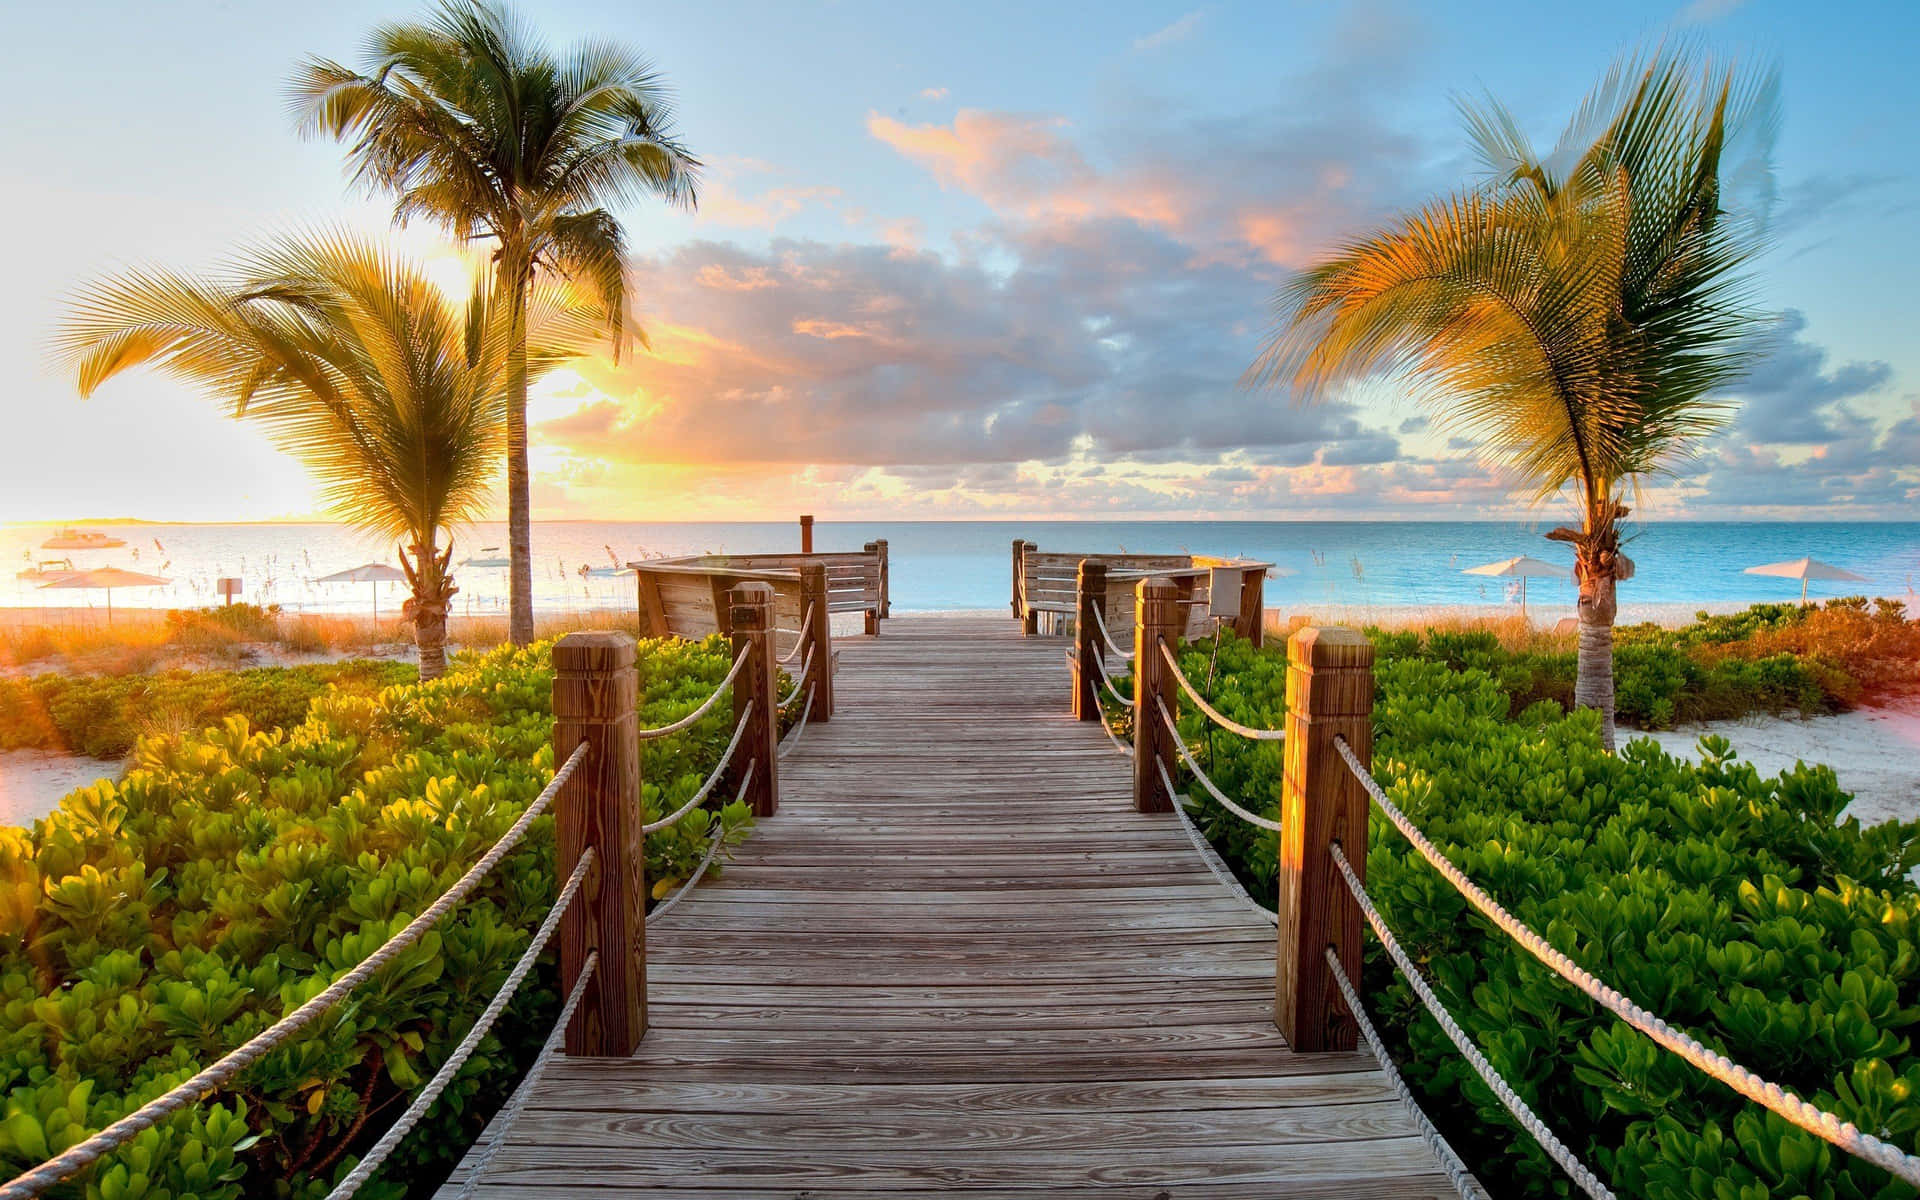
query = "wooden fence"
x=1050 y=584
x=854 y=582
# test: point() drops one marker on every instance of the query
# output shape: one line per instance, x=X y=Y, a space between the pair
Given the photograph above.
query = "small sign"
x=228 y=586
x=1223 y=591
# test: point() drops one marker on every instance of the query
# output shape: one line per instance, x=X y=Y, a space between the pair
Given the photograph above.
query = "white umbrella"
x=108 y=578
x=1804 y=569
x=1523 y=569
x=369 y=573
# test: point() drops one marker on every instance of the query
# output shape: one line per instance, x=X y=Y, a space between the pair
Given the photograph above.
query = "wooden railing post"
x=886 y=589
x=1157 y=614
x=1251 y=623
x=819 y=637
x=1329 y=695
x=806 y=534
x=1020 y=547
x=596 y=701
x=750 y=609
x=1090 y=594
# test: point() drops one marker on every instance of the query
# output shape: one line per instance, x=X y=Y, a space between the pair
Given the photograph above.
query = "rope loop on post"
x=739 y=660
x=1705 y=1059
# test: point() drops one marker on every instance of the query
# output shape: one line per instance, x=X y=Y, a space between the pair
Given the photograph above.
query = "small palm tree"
x=354 y=363
x=471 y=122
x=1578 y=314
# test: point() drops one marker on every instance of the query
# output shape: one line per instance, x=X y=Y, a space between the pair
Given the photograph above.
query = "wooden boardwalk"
x=958 y=963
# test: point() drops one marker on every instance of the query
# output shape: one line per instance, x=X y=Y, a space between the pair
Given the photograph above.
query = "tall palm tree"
x=1577 y=314
x=472 y=122
x=393 y=398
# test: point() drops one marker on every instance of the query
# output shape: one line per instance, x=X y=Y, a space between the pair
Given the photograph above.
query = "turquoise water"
x=963 y=565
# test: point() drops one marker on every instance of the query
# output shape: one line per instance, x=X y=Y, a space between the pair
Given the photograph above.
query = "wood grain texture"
x=595 y=697
x=1329 y=695
x=756 y=697
x=958 y=963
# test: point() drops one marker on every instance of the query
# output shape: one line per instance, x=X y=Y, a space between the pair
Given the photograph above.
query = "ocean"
x=945 y=566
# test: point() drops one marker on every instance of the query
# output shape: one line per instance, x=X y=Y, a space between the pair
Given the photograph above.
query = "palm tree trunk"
x=428 y=575
x=1593 y=687
x=515 y=277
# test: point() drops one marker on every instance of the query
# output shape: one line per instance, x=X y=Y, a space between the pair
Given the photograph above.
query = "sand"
x=1874 y=752
x=33 y=782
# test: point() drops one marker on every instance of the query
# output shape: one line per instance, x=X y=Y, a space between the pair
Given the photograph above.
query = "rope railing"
x=1113 y=737
x=800 y=636
x=1219 y=718
x=713 y=777
x=1810 y=1117
x=377 y=1155
x=84 y=1154
x=713 y=848
x=1523 y=1115
x=1106 y=681
x=1100 y=623
x=503 y=1122
x=800 y=680
x=1180 y=744
x=793 y=735
x=739 y=660
x=1463 y=1181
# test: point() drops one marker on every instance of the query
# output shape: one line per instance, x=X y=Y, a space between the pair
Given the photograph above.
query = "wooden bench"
x=856 y=582
x=1047 y=583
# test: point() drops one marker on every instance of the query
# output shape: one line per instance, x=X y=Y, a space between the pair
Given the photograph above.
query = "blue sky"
x=974 y=259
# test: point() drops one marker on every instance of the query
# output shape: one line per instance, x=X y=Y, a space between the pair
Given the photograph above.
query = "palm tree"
x=356 y=364
x=471 y=122
x=1577 y=314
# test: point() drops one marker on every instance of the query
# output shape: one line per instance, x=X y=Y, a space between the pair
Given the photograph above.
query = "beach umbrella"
x=372 y=573
x=1523 y=569
x=107 y=578
x=1805 y=569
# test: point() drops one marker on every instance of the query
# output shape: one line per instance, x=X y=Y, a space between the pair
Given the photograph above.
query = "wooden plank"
x=958 y=962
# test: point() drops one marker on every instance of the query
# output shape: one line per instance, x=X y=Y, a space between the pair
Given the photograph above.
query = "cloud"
x=933 y=93
x=1179 y=31
x=1792 y=397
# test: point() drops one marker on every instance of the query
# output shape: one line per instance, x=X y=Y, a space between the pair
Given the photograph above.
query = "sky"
x=972 y=260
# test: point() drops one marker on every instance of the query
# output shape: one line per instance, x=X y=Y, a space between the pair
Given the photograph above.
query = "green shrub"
x=1735 y=905
x=152 y=924
x=102 y=716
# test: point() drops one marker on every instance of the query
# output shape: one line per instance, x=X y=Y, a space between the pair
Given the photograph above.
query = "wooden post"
x=819 y=637
x=1020 y=547
x=1329 y=694
x=595 y=700
x=1090 y=595
x=751 y=613
x=886 y=589
x=1157 y=615
x=806 y=535
x=1251 y=623
x=879 y=585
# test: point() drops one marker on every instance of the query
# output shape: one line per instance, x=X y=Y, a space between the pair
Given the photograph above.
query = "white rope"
x=1100 y=665
x=1107 y=729
x=1100 y=622
x=32 y=1183
x=1586 y=1180
x=365 y=1168
x=739 y=660
x=800 y=636
x=1180 y=744
x=1811 y=1118
x=793 y=735
x=503 y=1122
x=1462 y=1179
x=800 y=680
x=673 y=818
x=1219 y=870
x=713 y=847
x=1219 y=718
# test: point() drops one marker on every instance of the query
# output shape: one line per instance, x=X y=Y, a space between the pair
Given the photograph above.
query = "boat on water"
x=48 y=570
x=491 y=557
x=81 y=539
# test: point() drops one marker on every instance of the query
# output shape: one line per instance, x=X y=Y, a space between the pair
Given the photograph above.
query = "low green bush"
x=1737 y=906
x=103 y=715
x=150 y=925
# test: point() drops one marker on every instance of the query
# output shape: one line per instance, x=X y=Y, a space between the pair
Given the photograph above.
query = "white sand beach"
x=33 y=782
